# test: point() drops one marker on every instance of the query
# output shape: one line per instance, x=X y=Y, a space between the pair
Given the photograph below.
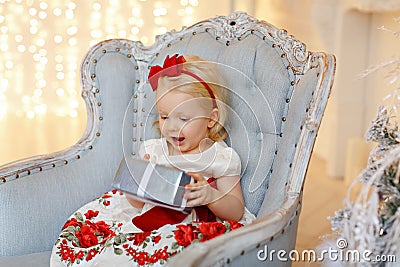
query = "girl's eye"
x=184 y=119
x=163 y=117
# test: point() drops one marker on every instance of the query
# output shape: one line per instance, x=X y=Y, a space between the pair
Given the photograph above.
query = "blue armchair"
x=279 y=93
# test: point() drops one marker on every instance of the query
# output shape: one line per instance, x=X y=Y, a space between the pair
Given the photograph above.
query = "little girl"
x=116 y=230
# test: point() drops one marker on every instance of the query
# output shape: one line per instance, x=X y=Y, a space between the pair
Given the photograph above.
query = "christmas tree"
x=371 y=220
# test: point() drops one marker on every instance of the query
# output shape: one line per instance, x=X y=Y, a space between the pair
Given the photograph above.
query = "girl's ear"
x=214 y=116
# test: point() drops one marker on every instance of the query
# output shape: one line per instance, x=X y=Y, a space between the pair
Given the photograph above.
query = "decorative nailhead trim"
x=78 y=157
x=227 y=43
x=97 y=134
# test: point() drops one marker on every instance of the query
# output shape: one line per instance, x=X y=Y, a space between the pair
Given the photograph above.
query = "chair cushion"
x=41 y=259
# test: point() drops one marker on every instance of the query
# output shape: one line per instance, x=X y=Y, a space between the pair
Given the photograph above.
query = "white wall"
x=351 y=33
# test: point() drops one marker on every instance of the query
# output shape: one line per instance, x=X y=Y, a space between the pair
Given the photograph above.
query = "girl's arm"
x=226 y=202
x=136 y=203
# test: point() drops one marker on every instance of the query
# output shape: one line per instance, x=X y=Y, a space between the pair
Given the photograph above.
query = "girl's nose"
x=172 y=125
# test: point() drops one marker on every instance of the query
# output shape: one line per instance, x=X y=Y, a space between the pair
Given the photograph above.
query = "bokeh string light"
x=43 y=42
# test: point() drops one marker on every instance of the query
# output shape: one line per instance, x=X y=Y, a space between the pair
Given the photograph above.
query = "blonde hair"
x=210 y=74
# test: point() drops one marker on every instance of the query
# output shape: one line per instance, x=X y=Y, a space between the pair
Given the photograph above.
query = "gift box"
x=156 y=184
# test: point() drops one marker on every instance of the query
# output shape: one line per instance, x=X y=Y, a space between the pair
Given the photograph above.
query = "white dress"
x=101 y=233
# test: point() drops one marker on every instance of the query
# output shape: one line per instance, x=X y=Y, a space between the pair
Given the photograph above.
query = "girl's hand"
x=146 y=157
x=201 y=193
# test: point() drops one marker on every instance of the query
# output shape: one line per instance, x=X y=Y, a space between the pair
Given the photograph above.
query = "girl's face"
x=184 y=122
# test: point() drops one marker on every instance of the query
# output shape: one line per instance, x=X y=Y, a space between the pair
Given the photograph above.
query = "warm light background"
x=41 y=46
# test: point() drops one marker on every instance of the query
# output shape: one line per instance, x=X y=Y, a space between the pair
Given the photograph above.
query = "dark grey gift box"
x=151 y=183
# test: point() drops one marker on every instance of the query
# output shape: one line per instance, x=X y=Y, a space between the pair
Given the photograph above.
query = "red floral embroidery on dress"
x=85 y=236
x=211 y=230
x=185 y=234
x=83 y=233
x=139 y=238
x=105 y=199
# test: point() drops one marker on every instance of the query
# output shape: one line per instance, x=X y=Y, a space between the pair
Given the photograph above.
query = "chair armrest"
x=38 y=194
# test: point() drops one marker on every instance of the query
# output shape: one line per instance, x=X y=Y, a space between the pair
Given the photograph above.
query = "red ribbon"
x=172 y=67
x=157 y=216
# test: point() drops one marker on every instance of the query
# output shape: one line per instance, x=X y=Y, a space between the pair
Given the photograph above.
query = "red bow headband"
x=172 y=67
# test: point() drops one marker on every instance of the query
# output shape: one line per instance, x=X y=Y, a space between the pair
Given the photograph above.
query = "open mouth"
x=178 y=140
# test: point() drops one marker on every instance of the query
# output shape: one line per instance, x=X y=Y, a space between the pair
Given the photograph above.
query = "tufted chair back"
x=264 y=69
